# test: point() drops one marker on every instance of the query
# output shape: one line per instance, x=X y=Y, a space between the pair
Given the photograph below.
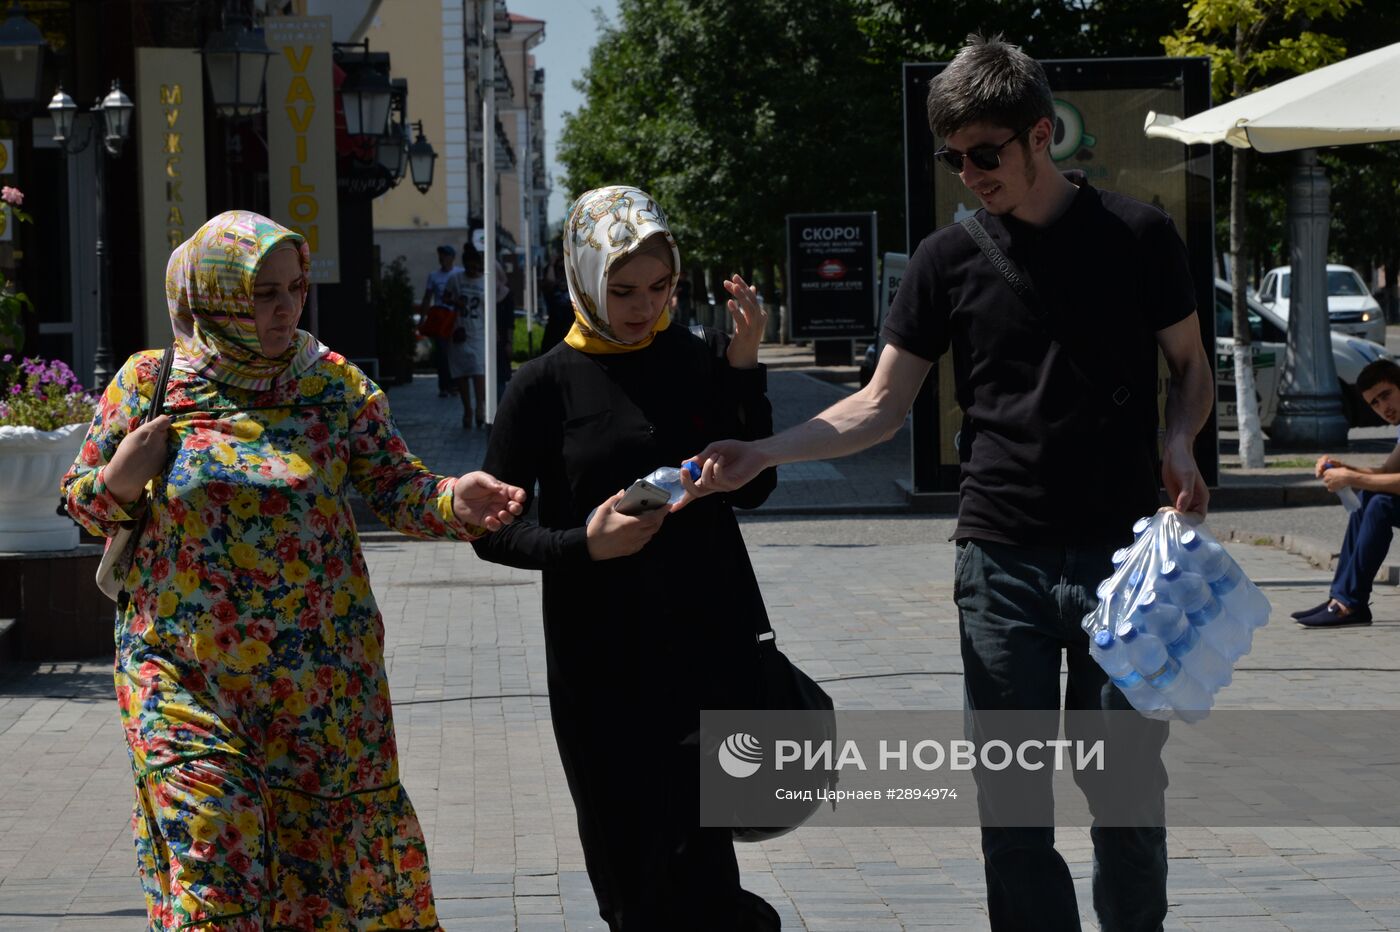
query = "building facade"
x=288 y=152
x=442 y=47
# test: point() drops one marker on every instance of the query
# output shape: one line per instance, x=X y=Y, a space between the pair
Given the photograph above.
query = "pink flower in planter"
x=12 y=196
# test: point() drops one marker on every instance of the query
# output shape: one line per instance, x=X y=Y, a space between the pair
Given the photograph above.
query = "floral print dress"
x=249 y=659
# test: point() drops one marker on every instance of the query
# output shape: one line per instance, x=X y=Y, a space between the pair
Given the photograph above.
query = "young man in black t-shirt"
x=1057 y=448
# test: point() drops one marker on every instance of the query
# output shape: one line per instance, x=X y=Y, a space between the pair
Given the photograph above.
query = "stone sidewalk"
x=862 y=603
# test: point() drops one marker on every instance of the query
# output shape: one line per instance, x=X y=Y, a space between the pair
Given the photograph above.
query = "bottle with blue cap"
x=1238 y=596
x=1156 y=616
x=1164 y=674
x=1350 y=500
x=669 y=478
x=1113 y=657
x=1228 y=635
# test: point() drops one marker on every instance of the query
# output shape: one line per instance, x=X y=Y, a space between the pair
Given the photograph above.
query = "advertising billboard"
x=833 y=292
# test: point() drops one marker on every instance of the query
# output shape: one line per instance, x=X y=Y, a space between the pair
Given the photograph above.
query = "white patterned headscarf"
x=605 y=226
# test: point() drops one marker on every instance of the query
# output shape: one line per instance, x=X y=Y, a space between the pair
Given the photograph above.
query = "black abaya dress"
x=637 y=646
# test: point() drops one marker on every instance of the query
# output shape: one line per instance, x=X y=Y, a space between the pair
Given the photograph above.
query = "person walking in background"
x=440 y=290
x=559 y=309
x=680 y=301
x=1058 y=448
x=1371 y=526
x=635 y=647
x=505 y=331
x=250 y=651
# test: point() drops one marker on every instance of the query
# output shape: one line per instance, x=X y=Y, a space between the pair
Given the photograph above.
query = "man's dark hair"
x=989 y=81
x=1382 y=370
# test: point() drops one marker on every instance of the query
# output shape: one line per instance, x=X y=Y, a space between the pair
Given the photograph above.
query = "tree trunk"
x=1246 y=400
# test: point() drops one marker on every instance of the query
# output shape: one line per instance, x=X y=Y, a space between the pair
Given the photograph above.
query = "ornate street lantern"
x=21 y=59
x=235 y=58
x=420 y=161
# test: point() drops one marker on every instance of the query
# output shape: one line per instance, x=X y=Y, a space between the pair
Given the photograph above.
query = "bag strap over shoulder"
x=1118 y=394
x=167 y=362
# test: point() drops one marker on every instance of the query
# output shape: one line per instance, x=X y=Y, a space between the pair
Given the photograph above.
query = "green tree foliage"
x=733 y=115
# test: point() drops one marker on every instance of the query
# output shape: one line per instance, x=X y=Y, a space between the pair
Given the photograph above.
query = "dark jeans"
x=1369 y=531
x=1019 y=611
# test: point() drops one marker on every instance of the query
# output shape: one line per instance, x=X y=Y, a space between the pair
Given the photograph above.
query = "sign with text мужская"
x=832 y=290
x=301 y=136
x=170 y=147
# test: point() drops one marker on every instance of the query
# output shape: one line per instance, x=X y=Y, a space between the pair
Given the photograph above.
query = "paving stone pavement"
x=861 y=603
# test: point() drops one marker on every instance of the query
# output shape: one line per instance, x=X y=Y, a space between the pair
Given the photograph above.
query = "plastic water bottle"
x=1238 y=596
x=1113 y=657
x=1163 y=620
x=669 y=478
x=1150 y=658
x=1227 y=634
x=1350 y=500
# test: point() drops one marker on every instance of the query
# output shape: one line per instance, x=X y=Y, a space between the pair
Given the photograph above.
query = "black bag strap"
x=167 y=362
x=998 y=259
x=1119 y=394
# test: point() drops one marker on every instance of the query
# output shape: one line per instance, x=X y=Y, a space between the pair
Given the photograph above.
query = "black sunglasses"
x=987 y=158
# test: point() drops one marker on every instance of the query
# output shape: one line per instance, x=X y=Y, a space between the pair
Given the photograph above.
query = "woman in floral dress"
x=249 y=654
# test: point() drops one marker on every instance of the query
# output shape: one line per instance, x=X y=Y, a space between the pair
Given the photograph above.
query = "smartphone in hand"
x=642 y=496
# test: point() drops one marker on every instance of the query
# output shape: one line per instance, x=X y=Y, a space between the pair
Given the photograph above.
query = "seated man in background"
x=1370 y=528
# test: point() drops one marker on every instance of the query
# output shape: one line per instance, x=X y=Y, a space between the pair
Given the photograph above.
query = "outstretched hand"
x=725 y=465
x=750 y=320
x=485 y=501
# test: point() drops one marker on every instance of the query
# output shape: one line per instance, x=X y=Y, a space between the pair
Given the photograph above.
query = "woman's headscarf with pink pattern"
x=209 y=290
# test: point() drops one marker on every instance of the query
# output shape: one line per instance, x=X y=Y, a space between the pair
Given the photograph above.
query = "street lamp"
x=235 y=59
x=420 y=161
x=367 y=92
x=391 y=149
x=21 y=59
x=115 y=110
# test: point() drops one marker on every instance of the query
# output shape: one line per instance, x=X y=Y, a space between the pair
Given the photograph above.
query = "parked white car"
x=1349 y=302
x=1269 y=337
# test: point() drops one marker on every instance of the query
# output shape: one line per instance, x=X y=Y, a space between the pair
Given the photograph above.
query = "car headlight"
x=1365 y=316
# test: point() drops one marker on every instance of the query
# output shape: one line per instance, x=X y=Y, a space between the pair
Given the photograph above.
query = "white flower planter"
x=32 y=465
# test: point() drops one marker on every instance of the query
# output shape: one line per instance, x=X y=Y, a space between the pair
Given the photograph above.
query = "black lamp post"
x=115 y=110
x=235 y=58
x=21 y=60
x=420 y=161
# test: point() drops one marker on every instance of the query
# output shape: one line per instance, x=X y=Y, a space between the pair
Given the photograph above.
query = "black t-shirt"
x=1047 y=455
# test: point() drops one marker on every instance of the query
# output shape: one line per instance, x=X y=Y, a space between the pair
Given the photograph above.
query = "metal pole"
x=1310 y=413
x=102 y=363
x=488 y=193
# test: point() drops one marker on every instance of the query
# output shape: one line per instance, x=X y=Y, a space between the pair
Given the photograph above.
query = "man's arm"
x=1383 y=478
x=1188 y=406
x=861 y=420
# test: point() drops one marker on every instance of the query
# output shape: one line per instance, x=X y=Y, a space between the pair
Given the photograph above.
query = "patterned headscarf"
x=605 y=226
x=209 y=290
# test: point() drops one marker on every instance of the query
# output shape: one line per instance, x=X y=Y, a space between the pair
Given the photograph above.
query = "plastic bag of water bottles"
x=1173 y=618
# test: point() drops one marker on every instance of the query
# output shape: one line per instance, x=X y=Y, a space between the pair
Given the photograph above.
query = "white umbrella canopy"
x=1352 y=101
